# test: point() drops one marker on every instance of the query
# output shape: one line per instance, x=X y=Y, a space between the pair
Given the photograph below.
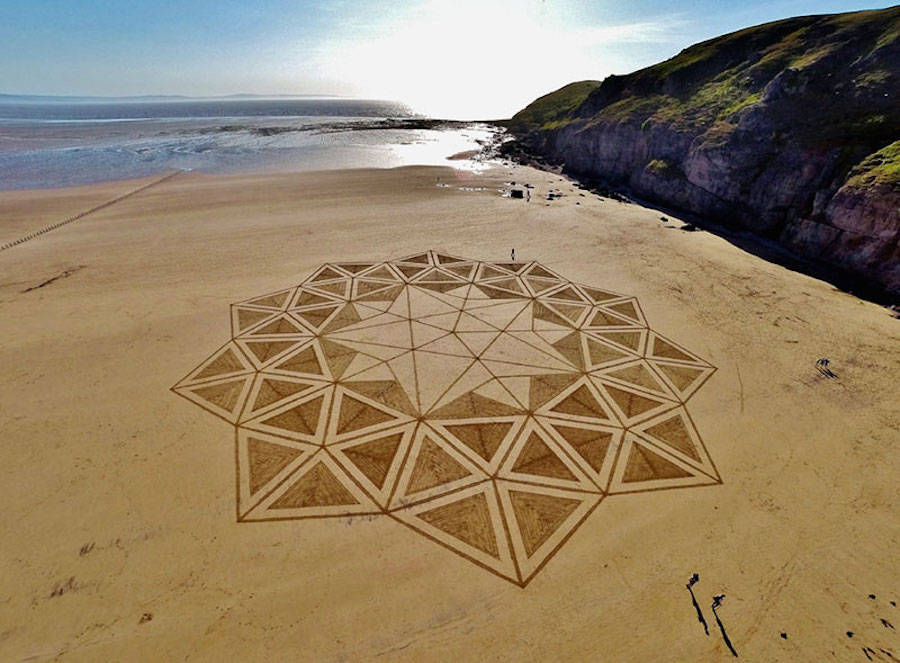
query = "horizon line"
x=236 y=95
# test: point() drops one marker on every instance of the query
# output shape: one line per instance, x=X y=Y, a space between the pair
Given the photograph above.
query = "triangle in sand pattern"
x=546 y=387
x=646 y=465
x=680 y=376
x=539 y=285
x=365 y=286
x=469 y=323
x=626 y=338
x=355 y=267
x=337 y=356
x=522 y=350
x=444 y=259
x=435 y=275
x=537 y=270
x=266 y=350
x=382 y=273
x=484 y=438
x=599 y=296
x=468 y=520
x=571 y=312
x=511 y=284
x=339 y=288
x=302 y=418
x=385 y=295
x=638 y=375
x=511 y=266
x=280 y=325
x=317 y=316
x=662 y=348
x=568 y=293
x=520 y=388
x=328 y=274
x=601 y=353
x=631 y=403
x=247 y=317
x=315 y=488
x=581 y=403
x=448 y=345
x=477 y=342
x=356 y=415
x=591 y=445
x=500 y=293
x=497 y=314
x=541 y=312
x=538 y=459
x=266 y=460
x=434 y=467
x=227 y=361
x=539 y=516
x=276 y=300
x=272 y=390
x=386 y=392
x=361 y=364
x=423 y=334
x=304 y=361
x=497 y=391
x=306 y=298
x=603 y=318
x=463 y=271
x=410 y=271
x=225 y=395
x=627 y=308
x=346 y=317
x=488 y=272
x=473 y=405
x=673 y=432
x=374 y=458
x=570 y=348
x=418 y=258
x=441 y=286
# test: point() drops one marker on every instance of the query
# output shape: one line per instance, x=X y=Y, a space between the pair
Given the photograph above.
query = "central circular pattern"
x=489 y=406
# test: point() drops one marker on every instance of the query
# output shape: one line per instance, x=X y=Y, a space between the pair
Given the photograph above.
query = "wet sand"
x=120 y=539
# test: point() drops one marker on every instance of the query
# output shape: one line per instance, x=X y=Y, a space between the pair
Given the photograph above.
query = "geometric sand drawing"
x=487 y=406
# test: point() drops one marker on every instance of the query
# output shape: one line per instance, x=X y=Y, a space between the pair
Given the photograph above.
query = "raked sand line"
x=97 y=208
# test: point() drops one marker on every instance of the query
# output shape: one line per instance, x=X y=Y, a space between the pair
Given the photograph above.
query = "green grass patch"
x=882 y=167
x=663 y=168
x=551 y=110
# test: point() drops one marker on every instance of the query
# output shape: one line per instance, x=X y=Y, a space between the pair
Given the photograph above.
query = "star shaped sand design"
x=489 y=406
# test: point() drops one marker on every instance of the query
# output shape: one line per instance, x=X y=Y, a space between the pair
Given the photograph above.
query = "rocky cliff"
x=788 y=129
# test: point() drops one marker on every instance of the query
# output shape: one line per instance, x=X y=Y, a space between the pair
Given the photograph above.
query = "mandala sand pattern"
x=487 y=406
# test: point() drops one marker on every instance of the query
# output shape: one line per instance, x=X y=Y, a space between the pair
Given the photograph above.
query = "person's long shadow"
x=694 y=579
x=717 y=601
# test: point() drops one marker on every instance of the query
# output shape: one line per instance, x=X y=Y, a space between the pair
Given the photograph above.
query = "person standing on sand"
x=512 y=255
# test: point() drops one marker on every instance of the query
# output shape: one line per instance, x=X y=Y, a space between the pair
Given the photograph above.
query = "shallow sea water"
x=45 y=145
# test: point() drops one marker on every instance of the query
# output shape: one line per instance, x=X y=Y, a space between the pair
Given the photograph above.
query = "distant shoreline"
x=52 y=146
x=69 y=99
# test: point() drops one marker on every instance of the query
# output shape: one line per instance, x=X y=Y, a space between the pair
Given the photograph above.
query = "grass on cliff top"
x=710 y=82
x=550 y=110
x=882 y=167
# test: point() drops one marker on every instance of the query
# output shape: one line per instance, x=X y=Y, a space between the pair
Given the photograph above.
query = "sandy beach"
x=120 y=535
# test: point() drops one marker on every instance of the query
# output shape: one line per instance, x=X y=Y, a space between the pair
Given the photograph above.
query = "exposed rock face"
x=787 y=129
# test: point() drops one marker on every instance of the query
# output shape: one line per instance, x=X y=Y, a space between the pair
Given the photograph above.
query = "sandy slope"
x=119 y=496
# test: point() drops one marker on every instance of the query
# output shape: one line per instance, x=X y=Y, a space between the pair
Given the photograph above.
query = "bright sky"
x=449 y=58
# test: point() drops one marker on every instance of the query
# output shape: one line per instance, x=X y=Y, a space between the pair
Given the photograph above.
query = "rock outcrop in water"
x=788 y=129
